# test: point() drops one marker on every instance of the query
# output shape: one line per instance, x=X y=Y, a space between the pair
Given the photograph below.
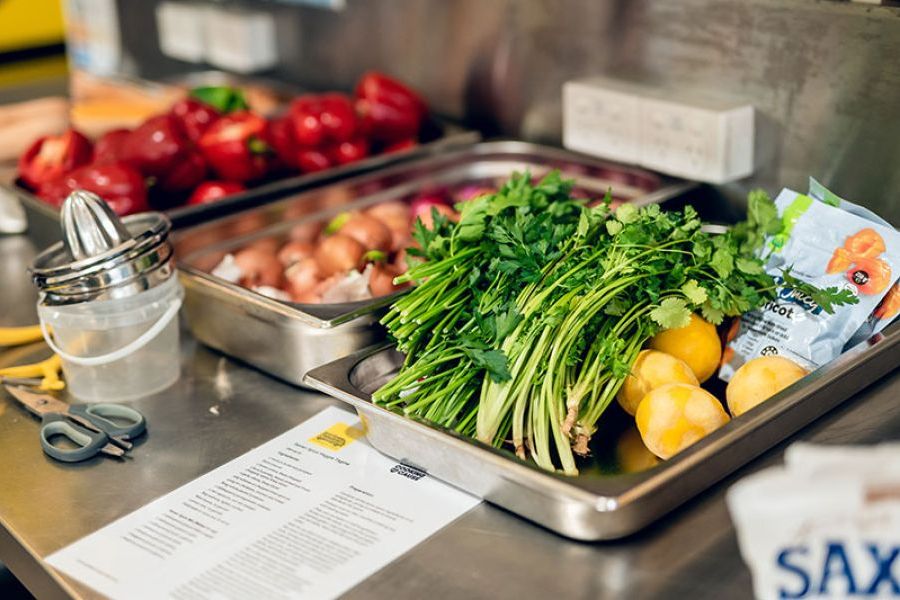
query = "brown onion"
x=398 y=218
x=381 y=280
x=337 y=254
x=394 y=214
x=306 y=232
x=302 y=277
x=258 y=267
x=368 y=231
x=268 y=245
x=400 y=265
x=293 y=251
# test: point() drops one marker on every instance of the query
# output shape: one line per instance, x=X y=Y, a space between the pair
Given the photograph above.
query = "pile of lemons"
x=663 y=391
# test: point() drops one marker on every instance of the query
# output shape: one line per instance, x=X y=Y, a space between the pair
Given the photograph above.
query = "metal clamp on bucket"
x=110 y=294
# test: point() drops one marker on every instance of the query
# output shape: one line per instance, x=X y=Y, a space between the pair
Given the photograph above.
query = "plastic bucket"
x=117 y=349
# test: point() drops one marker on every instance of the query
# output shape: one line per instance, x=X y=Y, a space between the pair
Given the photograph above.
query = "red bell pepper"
x=312 y=161
x=194 y=117
x=350 y=151
x=390 y=111
x=120 y=184
x=52 y=156
x=156 y=146
x=401 y=146
x=338 y=117
x=306 y=117
x=186 y=175
x=378 y=87
x=280 y=136
x=386 y=123
x=211 y=191
x=109 y=147
x=235 y=147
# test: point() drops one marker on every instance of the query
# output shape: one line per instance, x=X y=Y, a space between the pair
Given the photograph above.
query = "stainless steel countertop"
x=45 y=505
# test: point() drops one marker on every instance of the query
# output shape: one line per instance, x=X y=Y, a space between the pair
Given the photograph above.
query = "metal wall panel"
x=824 y=75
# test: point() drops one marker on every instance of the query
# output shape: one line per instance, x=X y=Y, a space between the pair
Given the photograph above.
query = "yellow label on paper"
x=337 y=436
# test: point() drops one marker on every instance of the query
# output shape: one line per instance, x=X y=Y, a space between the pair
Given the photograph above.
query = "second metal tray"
x=287 y=339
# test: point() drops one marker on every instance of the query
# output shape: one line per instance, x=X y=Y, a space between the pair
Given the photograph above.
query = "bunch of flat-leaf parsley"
x=528 y=313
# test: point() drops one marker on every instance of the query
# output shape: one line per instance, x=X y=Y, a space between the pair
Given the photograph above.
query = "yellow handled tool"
x=45 y=374
x=14 y=336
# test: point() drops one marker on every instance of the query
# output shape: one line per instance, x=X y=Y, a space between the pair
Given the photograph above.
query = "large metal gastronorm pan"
x=438 y=136
x=598 y=504
x=287 y=339
x=609 y=498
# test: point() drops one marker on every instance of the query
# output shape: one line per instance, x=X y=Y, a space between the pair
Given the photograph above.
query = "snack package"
x=889 y=306
x=826 y=242
x=826 y=525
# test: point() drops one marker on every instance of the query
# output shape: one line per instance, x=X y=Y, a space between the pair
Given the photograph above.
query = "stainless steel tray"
x=600 y=504
x=287 y=339
x=441 y=136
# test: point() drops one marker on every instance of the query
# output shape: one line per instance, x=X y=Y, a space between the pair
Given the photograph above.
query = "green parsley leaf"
x=627 y=213
x=693 y=292
x=827 y=298
x=494 y=361
x=472 y=219
x=749 y=266
x=617 y=307
x=506 y=322
x=584 y=224
x=613 y=227
x=761 y=211
x=713 y=315
x=722 y=262
x=671 y=313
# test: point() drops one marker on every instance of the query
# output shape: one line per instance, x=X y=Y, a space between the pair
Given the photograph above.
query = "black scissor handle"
x=89 y=443
x=101 y=415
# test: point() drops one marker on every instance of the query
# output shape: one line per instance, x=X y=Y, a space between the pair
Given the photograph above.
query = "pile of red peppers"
x=210 y=145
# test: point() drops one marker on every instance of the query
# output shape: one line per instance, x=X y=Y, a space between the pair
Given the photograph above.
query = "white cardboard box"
x=681 y=133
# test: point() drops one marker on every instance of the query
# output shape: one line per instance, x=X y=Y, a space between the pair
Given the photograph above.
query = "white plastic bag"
x=827 y=525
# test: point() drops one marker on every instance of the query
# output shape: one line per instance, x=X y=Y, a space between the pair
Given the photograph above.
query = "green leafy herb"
x=528 y=314
x=762 y=220
x=713 y=315
x=671 y=313
x=493 y=361
x=693 y=292
x=826 y=298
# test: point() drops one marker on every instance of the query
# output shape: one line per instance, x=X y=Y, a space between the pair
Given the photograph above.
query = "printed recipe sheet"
x=309 y=514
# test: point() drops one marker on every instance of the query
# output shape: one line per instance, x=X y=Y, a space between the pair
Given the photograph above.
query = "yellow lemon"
x=632 y=454
x=676 y=415
x=758 y=380
x=697 y=344
x=651 y=370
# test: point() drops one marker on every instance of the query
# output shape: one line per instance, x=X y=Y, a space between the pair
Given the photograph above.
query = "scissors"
x=91 y=427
